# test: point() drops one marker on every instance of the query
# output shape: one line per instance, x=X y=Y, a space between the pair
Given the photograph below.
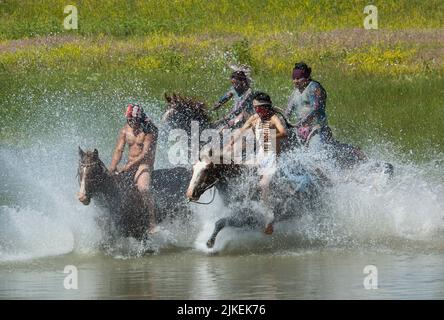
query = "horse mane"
x=189 y=107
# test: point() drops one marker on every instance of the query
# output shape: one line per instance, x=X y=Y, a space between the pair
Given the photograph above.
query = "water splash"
x=364 y=208
x=40 y=216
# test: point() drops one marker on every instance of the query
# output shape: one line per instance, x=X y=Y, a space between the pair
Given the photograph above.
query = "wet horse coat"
x=295 y=191
x=118 y=193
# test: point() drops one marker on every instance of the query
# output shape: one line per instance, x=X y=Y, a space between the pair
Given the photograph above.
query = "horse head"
x=204 y=177
x=182 y=110
x=91 y=173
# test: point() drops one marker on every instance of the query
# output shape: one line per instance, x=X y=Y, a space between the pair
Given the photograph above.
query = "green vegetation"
x=28 y=18
x=383 y=85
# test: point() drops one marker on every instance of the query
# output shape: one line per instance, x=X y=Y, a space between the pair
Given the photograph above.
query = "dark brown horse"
x=117 y=192
x=182 y=110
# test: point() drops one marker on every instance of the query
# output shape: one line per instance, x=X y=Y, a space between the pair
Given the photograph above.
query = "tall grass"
x=29 y=18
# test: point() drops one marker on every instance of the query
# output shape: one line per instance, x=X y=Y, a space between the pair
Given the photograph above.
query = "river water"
x=378 y=239
x=296 y=274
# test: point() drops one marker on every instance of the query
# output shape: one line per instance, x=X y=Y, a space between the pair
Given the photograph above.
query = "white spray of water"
x=362 y=208
x=45 y=219
x=40 y=215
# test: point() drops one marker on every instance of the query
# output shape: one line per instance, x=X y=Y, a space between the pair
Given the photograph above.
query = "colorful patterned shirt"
x=241 y=102
x=309 y=105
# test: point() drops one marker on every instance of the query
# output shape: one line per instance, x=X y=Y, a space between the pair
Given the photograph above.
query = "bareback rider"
x=262 y=122
x=140 y=134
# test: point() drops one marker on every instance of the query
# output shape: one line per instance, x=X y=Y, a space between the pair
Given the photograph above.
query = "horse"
x=128 y=216
x=344 y=155
x=295 y=191
x=182 y=110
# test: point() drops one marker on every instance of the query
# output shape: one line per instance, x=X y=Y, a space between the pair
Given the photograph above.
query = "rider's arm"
x=232 y=122
x=281 y=131
x=307 y=118
x=147 y=154
x=239 y=133
x=317 y=103
x=227 y=96
x=246 y=104
x=118 y=151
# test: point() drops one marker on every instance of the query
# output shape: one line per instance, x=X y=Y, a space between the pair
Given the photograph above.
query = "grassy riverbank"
x=383 y=85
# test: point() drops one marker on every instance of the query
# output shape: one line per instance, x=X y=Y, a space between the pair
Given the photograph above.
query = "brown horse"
x=182 y=110
x=117 y=192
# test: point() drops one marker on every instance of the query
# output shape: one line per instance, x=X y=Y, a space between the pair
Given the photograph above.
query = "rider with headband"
x=140 y=134
x=308 y=102
x=268 y=130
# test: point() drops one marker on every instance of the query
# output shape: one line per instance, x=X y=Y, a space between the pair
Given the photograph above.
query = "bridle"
x=83 y=165
x=208 y=187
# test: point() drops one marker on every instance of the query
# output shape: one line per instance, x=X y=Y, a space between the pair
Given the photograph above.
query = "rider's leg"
x=265 y=193
x=143 y=183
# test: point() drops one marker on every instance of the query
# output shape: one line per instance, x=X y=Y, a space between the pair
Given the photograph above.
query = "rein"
x=211 y=185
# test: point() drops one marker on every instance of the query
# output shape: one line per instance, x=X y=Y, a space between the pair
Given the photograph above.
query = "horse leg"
x=218 y=226
x=389 y=169
x=237 y=221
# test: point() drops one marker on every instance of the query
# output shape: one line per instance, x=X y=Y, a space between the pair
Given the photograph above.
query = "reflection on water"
x=327 y=274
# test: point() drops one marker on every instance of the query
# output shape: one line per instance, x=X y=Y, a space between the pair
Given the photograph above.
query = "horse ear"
x=167 y=97
x=81 y=152
x=96 y=153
